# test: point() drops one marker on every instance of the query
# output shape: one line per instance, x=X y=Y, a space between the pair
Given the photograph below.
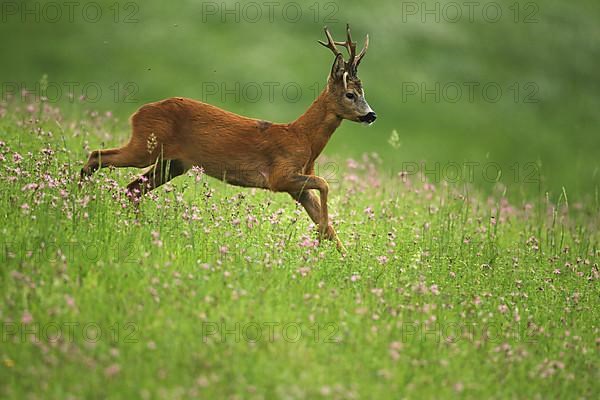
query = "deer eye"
x=350 y=96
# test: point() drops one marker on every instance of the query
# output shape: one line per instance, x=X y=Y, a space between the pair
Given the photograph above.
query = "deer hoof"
x=341 y=248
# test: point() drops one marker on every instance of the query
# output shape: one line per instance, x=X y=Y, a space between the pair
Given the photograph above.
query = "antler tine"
x=351 y=45
x=330 y=43
x=362 y=52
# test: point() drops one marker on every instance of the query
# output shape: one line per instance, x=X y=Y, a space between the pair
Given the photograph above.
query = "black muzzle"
x=368 y=118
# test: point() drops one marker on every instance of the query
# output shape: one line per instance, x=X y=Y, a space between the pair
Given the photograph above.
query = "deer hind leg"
x=158 y=174
x=127 y=156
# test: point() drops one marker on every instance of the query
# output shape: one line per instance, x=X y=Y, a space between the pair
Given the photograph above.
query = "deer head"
x=343 y=84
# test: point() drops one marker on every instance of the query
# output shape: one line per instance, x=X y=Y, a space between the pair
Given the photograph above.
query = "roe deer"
x=172 y=135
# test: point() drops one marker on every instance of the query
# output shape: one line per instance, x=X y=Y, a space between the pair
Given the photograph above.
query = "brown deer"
x=172 y=135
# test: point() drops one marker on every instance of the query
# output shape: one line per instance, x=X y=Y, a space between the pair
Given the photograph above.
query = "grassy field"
x=472 y=224
x=212 y=291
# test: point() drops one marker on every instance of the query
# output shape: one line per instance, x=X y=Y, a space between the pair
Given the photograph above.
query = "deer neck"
x=318 y=123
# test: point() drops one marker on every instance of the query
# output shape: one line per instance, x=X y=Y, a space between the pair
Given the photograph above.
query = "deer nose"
x=369 y=117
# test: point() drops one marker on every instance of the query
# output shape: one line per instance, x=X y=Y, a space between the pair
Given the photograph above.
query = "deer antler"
x=362 y=52
x=353 y=60
x=330 y=43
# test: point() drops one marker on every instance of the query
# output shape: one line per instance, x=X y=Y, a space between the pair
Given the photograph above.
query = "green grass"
x=445 y=292
x=486 y=287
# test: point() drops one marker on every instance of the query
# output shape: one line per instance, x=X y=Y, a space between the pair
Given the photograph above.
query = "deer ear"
x=337 y=69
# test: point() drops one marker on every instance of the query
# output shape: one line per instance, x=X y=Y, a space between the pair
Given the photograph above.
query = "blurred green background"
x=425 y=61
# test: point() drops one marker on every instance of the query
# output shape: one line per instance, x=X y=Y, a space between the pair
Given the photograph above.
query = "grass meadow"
x=210 y=291
x=472 y=226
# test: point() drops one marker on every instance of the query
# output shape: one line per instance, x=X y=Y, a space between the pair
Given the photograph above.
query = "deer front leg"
x=311 y=204
x=298 y=186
